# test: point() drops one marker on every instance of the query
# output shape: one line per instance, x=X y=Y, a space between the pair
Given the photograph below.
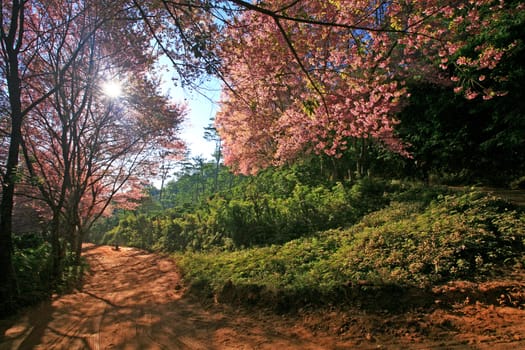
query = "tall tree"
x=54 y=56
x=83 y=148
x=26 y=27
x=210 y=134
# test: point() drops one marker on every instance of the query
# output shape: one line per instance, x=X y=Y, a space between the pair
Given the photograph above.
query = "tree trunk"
x=8 y=285
x=78 y=246
x=362 y=159
x=56 y=249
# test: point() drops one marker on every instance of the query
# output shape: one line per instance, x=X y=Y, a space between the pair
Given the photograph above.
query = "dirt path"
x=135 y=300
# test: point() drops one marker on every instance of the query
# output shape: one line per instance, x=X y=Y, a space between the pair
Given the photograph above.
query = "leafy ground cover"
x=419 y=241
x=33 y=265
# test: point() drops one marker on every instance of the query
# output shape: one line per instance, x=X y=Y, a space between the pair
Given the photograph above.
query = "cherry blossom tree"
x=81 y=150
x=26 y=27
x=314 y=76
x=87 y=148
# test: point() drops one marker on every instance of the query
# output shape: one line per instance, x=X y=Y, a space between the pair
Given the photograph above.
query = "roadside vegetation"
x=33 y=264
x=285 y=241
x=408 y=244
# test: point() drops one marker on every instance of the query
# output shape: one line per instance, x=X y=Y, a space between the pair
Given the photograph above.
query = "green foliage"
x=410 y=243
x=197 y=181
x=72 y=272
x=33 y=270
x=456 y=236
x=272 y=208
x=468 y=141
x=33 y=266
x=136 y=230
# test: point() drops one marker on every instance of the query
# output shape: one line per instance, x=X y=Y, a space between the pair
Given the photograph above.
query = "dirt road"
x=135 y=300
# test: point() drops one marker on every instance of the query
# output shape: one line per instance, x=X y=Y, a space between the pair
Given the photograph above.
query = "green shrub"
x=33 y=272
x=273 y=209
x=407 y=244
x=461 y=236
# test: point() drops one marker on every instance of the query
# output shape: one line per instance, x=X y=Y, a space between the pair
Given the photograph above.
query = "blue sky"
x=202 y=107
x=201 y=110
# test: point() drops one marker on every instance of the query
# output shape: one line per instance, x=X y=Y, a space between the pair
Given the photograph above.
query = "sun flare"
x=112 y=89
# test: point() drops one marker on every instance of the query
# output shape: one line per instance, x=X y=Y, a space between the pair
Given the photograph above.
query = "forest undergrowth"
x=391 y=258
x=374 y=244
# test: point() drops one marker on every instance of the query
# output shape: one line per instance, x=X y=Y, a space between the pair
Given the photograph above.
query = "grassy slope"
x=409 y=244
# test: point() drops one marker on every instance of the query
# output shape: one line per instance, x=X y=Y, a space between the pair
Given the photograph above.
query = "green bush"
x=273 y=208
x=456 y=236
x=33 y=272
x=407 y=244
